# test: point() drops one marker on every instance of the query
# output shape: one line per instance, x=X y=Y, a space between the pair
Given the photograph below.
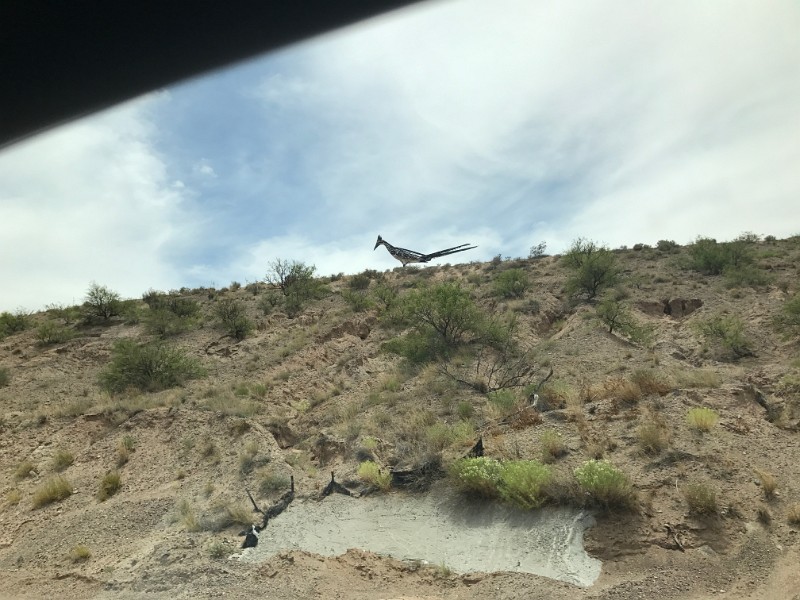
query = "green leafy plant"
x=13 y=323
x=148 y=367
x=479 y=476
x=5 y=376
x=522 y=483
x=606 y=485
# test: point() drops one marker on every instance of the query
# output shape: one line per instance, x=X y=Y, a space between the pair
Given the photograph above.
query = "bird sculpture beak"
x=378 y=243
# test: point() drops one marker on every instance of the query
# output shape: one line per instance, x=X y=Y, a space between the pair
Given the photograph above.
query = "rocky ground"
x=316 y=393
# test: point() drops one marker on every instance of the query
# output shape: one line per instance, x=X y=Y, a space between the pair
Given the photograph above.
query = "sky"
x=501 y=124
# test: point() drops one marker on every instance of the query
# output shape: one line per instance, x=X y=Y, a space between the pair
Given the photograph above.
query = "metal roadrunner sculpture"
x=406 y=256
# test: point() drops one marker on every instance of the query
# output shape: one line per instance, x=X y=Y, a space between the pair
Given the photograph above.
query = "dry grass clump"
x=371 y=473
x=109 y=485
x=54 y=489
x=768 y=483
x=793 y=514
x=24 y=469
x=270 y=482
x=696 y=378
x=13 y=496
x=552 y=445
x=651 y=382
x=125 y=445
x=79 y=553
x=701 y=498
x=653 y=437
x=62 y=459
x=702 y=418
x=188 y=516
x=219 y=550
x=251 y=458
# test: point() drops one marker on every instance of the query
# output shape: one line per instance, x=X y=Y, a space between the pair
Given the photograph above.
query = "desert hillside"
x=132 y=430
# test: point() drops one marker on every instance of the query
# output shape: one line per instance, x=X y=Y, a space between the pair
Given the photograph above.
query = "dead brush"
x=653 y=436
x=768 y=483
x=651 y=382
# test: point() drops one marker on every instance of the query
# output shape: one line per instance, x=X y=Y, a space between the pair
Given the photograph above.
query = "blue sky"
x=500 y=124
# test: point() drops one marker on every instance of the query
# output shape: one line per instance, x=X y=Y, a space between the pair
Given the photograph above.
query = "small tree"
x=296 y=282
x=614 y=312
x=538 y=250
x=101 y=303
x=594 y=268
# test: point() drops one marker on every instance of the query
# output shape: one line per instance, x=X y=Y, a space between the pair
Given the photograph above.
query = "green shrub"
x=511 y=283
x=101 y=304
x=789 y=318
x=148 y=367
x=711 y=258
x=593 y=268
x=504 y=401
x=606 y=485
x=358 y=300
x=445 y=309
x=385 y=295
x=479 y=476
x=727 y=333
x=296 y=282
x=371 y=473
x=746 y=275
x=233 y=318
x=54 y=489
x=51 y=332
x=667 y=245
x=701 y=498
x=5 y=376
x=522 y=483
x=359 y=282
x=164 y=323
x=68 y=314
x=109 y=485
x=702 y=418
x=13 y=323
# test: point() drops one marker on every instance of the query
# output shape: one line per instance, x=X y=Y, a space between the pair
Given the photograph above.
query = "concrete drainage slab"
x=464 y=536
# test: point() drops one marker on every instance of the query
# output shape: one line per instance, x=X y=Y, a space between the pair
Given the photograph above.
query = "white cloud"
x=203 y=168
x=87 y=202
x=662 y=120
